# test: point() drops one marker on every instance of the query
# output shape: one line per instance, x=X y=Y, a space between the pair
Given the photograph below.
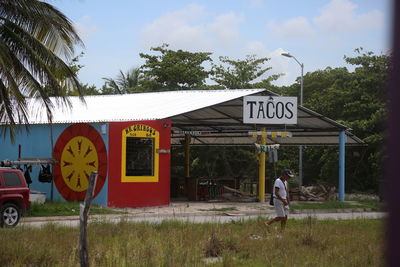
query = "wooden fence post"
x=83 y=217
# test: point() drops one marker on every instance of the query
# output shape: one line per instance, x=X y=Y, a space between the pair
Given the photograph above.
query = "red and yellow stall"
x=140 y=155
x=136 y=163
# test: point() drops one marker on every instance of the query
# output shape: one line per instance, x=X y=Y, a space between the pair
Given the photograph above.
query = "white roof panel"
x=133 y=107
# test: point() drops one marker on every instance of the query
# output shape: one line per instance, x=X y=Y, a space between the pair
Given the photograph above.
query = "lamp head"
x=286 y=54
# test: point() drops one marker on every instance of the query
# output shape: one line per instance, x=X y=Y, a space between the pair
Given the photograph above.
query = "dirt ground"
x=198 y=207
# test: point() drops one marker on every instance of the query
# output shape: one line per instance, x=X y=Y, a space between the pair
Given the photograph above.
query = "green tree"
x=34 y=39
x=238 y=74
x=367 y=112
x=355 y=99
x=174 y=70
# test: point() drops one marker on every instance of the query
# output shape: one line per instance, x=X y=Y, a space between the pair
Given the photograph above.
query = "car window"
x=11 y=179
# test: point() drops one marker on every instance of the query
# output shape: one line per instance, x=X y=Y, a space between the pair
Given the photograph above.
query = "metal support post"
x=300 y=165
x=187 y=155
x=261 y=168
x=342 y=141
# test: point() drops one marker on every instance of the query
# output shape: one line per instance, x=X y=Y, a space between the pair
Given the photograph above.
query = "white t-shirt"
x=282 y=190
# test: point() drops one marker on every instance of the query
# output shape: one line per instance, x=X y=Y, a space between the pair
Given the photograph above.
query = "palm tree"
x=35 y=39
x=123 y=82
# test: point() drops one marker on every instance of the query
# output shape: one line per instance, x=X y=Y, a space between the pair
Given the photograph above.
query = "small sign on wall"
x=269 y=110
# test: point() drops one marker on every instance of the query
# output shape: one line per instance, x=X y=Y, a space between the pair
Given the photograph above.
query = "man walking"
x=281 y=202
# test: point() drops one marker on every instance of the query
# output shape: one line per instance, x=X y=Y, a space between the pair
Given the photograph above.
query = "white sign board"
x=270 y=110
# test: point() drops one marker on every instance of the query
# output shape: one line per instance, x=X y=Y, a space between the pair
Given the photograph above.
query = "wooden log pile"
x=233 y=190
x=315 y=193
x=309 y=193
x=235 y=195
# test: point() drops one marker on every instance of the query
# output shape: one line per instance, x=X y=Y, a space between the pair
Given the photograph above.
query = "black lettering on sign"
x=140 y=127
x=270 y=107
x=252 y=103
x=261 y=110
x=289 y=109
x=279 y=109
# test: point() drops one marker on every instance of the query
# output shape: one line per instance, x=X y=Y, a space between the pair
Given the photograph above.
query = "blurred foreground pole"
x=391 y=179
x=83 y=217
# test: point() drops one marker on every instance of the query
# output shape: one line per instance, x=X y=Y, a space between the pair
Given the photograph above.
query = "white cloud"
x=340 y=16
x=193 y=29
x=281 y=65
x=256 y=48
x=292 y=29
x=178 y=29
x=85 y=28
x=224 y=31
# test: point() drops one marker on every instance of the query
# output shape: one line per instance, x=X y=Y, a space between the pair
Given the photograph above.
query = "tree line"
x=171 y=70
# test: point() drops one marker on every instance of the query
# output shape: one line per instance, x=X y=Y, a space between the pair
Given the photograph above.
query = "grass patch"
x=307 y=242
x=321 y=205
x=374 y=205
x=55 y=208
x=219 y=209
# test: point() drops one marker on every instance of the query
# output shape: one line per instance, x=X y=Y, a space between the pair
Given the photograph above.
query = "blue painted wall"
x=37 y=144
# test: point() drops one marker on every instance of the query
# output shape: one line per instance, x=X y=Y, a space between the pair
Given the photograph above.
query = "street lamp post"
x=301 y=104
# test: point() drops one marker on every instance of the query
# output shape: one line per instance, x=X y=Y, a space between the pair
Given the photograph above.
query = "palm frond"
x=35 y=40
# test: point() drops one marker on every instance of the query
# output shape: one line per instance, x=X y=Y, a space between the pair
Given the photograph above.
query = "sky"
x=318 y=33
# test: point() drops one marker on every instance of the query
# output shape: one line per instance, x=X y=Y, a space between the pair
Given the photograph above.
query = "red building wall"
x=136 y=191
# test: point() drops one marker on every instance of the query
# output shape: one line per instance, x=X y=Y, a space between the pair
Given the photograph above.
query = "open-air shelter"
x=128 y=138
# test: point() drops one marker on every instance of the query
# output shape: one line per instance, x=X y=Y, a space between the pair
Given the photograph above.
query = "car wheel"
x=10 y=215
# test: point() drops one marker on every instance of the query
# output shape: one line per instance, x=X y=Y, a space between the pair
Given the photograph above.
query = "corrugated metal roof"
x=214 y=117
x=132 y=107
x=222 y=124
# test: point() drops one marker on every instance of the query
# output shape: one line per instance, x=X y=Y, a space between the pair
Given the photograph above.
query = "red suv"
x=14 y=196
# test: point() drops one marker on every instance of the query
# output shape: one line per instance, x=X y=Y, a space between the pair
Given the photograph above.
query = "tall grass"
x=246 y=243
